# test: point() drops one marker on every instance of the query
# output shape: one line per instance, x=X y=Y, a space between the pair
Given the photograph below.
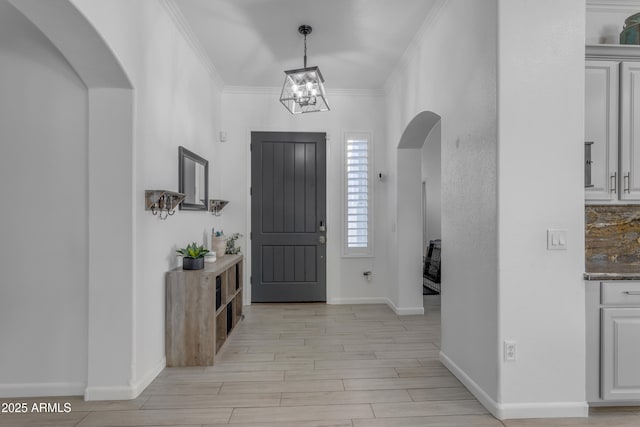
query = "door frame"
x=330 y=204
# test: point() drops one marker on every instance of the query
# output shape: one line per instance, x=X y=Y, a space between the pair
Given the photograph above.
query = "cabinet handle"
x=614 y=183
x=632 y=292
x=626 y=182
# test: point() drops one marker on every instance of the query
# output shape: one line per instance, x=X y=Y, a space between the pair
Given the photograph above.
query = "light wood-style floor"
x=311 y=365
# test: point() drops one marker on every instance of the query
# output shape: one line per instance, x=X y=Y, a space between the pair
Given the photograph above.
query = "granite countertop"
x=612 y=242
x=611 y=271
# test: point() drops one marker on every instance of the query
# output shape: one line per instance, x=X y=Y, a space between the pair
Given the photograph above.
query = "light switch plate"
x=556 y=240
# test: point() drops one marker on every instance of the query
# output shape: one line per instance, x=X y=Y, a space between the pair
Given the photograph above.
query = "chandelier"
x=303 y=90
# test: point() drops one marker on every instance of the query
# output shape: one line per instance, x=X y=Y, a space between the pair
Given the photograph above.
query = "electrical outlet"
x=510 y=351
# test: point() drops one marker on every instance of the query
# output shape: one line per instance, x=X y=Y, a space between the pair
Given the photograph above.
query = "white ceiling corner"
x=431 y=17
x=183 y=26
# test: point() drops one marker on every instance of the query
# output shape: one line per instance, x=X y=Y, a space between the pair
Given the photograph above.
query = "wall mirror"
x=193 y=174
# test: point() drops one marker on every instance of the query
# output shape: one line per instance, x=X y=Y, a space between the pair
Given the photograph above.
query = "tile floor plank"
x=33 y=419
x=281 y=386
x=281 y=365
x=225 y=376
x=322 y=423
x=278 y=348
x=156 y=417
x=423 y=371
x=409 y=354
x=401 y=383
x=335 y=374
x=389 y=347
x=366 y=364
x=434 y=421
x=345 y=397
x=423 y=409
x=163 y=388
x=218 y=401
x=341 y=355
x=301 y=413
x=449 y=393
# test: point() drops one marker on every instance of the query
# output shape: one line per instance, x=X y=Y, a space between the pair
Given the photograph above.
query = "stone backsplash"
x=612 y=236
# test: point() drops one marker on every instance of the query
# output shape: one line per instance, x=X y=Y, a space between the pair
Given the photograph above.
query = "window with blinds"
x=358 y=201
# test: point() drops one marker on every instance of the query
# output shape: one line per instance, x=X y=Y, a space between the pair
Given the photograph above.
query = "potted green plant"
x=231 y=244
x=193 y=256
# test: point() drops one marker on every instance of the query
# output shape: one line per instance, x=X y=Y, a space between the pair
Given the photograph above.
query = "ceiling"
x=356 y=43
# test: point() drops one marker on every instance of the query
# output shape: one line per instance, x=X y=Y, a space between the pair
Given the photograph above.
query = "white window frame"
x=364 y=252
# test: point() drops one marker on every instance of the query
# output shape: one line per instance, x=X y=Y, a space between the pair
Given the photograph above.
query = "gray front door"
x=288 y=217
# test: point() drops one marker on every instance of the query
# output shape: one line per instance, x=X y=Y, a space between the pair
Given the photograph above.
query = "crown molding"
x=629 y=6
x=612 y=51
x=250 y=90
x=356 y=92
x=432 y=17
x=275 y=91
x=183 y=26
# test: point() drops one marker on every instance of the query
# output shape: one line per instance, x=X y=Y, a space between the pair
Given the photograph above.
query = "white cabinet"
x=620 y=374
x=601 y=128
x=613 y=342
x=630 y=130
x=612 y=123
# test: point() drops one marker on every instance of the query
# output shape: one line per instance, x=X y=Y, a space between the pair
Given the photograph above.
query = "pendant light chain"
x=305 y=50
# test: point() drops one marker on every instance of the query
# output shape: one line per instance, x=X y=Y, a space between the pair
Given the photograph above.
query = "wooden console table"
x=202 y=308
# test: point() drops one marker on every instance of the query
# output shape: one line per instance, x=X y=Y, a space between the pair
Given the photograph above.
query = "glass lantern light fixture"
x=303 y=90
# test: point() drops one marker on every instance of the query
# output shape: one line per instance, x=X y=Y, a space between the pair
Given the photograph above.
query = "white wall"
x=604 y=20
x=43 y=183
x=176 y=103
x=461 y=88
x=409 y=218
x=502 y=187
x=110 y=238
x=541 y=134
x=431 y=176
x=246 y=110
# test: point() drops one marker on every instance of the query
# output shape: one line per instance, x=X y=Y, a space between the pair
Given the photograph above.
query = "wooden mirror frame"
x=183 y=180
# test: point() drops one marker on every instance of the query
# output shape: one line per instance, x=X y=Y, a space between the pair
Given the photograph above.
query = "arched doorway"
x=409 y=203
x=109 y=176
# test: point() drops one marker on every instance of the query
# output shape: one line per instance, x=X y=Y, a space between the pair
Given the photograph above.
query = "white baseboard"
x=125 y=392
x=400 y=311
x=41 y=389
x=109 y=393
x=405 y=311
x=486 y=400
x=503 y=411
x=139 y=386
x=343 y=301
x=544 y=410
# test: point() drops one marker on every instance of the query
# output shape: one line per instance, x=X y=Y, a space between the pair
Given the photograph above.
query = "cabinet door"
x=601 y=127
x=620 y=369
x=630 y=131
